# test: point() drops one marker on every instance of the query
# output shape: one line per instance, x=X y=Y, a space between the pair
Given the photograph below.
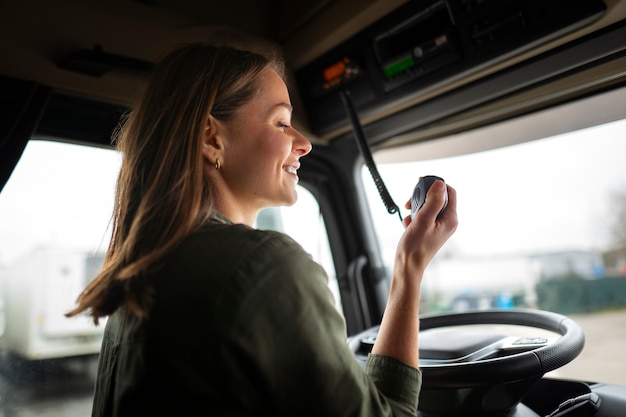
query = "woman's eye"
x=283 y=125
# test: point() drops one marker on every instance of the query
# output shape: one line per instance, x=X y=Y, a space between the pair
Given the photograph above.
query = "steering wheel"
x=457 y=359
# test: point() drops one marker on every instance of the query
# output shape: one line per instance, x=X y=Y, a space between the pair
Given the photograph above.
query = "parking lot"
x=53 y=389
x=603 y=353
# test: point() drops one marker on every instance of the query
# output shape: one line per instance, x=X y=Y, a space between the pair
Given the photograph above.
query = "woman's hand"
x=424 y=235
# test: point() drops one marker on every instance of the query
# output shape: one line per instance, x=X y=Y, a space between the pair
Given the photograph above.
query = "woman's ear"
x=212 y=146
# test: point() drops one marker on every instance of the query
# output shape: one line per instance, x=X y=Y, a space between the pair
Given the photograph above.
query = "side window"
x=54 y=217
x=54 y=229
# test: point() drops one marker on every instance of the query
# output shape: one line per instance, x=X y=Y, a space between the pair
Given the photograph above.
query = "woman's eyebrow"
x=283 y=104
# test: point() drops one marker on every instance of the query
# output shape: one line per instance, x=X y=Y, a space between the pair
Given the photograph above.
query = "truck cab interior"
x=494 y=96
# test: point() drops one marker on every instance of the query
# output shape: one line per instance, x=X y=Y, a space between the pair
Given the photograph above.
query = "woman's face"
x=262 y=150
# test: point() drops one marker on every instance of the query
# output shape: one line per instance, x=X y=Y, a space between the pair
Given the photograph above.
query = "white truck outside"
x=38 y=289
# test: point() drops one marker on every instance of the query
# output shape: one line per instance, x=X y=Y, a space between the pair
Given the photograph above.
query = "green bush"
x=569 y=295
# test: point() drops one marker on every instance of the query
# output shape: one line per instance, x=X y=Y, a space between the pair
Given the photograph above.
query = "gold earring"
x=218 y=165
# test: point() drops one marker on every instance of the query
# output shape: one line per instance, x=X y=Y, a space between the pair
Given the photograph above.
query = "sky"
x=34 y=211
x=549 y=194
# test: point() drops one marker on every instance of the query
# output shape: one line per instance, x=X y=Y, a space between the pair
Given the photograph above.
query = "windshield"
x=542 y=224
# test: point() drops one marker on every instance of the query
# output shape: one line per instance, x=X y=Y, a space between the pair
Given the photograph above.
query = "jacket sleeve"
x=287 y=345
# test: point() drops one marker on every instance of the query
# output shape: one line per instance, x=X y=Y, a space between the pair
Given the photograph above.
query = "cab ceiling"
x=39 y=34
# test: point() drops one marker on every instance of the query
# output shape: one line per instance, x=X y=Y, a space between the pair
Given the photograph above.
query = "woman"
x=209 y=316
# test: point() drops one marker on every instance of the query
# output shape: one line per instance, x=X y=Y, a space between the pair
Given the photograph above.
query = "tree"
x=618 y=223
x=615 y=258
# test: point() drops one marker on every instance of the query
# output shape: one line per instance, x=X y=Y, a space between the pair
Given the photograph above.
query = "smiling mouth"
x=291 y=170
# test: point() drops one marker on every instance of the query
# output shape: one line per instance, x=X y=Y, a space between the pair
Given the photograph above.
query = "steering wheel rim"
x=530 y=364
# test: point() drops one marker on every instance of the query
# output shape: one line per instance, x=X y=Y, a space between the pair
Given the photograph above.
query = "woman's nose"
x=301 y=145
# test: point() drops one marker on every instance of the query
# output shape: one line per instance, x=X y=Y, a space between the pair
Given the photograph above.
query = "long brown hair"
x=163 y=192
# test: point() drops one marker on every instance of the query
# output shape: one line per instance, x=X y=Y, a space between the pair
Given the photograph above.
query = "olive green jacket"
x=243 y=324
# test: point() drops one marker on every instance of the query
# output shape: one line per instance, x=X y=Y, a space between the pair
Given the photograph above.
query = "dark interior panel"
x=427 y=43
